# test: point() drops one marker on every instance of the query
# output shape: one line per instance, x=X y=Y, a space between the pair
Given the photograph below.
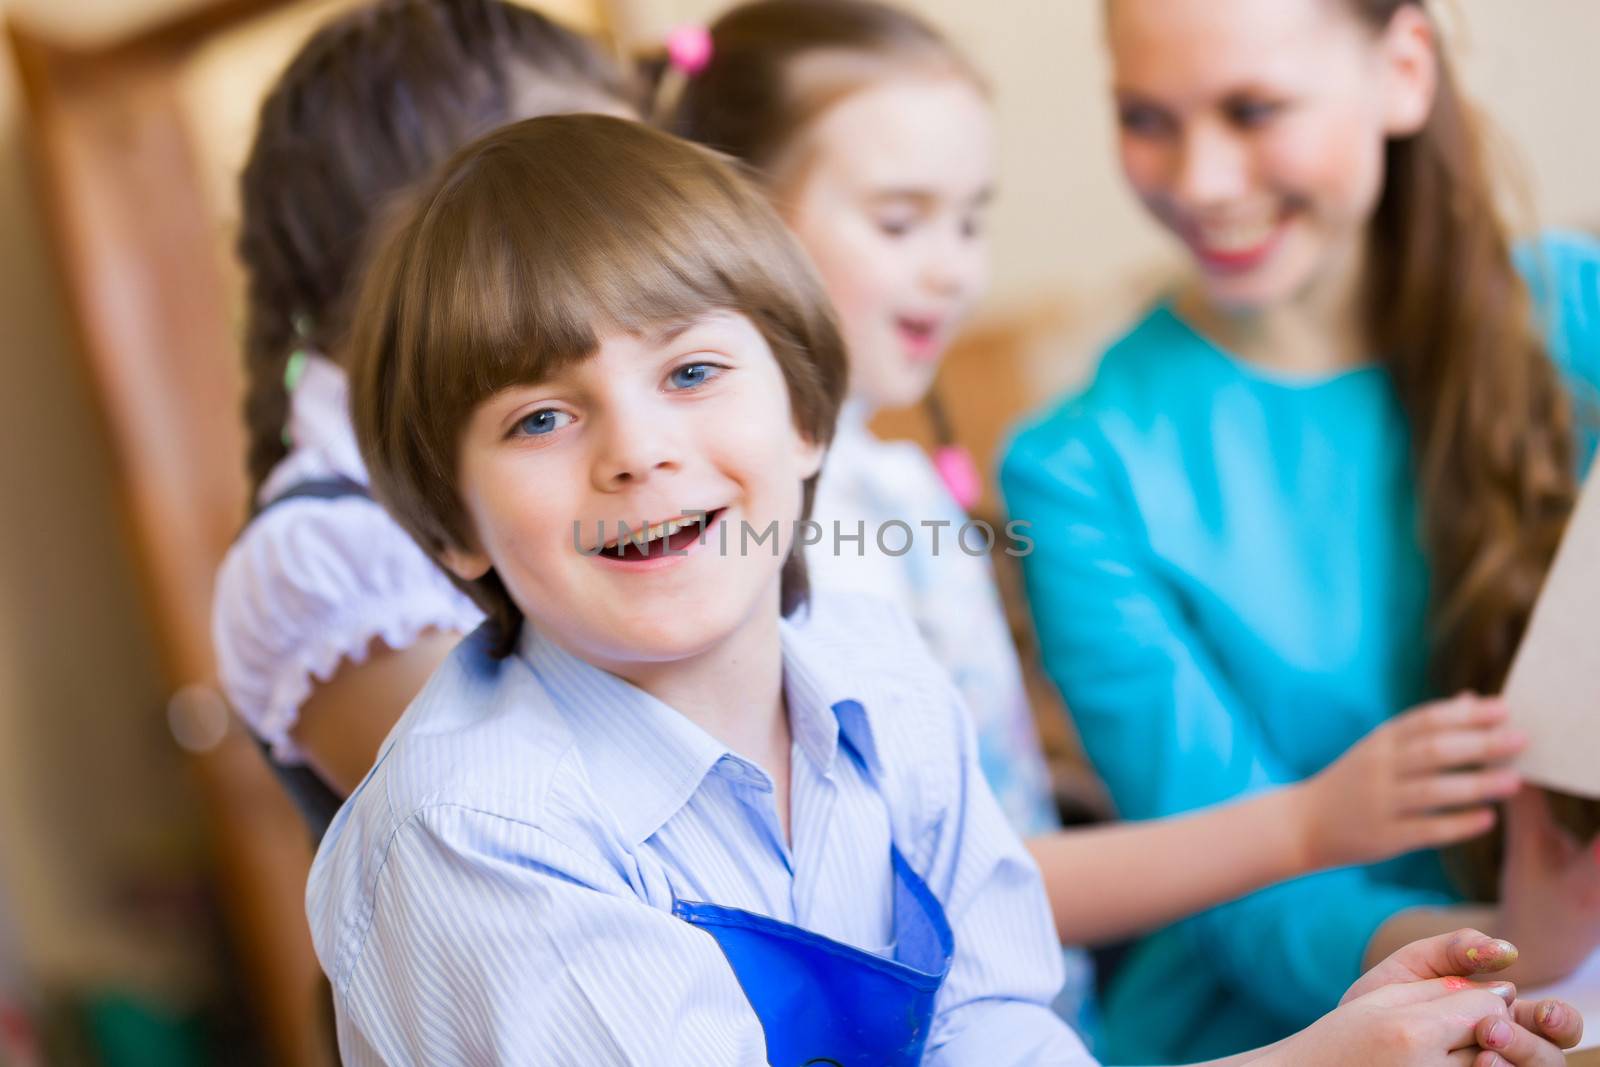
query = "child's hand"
x=1417 y=781
x=1443 y=1021
x=1454 y=956
x=1527 y=1038
x=1460 y=954
x=1549 y=892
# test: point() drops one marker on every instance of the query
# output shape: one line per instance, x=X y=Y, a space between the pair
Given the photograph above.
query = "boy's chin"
x=666 y=636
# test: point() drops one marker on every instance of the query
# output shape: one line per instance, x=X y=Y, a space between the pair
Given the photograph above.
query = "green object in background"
x=129 y=1032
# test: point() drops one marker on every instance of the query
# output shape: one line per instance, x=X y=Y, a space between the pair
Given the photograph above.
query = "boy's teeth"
x=666 y=529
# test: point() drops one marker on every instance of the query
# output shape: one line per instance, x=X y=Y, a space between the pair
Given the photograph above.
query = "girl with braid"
x=327 y=617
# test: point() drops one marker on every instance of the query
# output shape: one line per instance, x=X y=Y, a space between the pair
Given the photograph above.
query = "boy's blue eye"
x=541 y=422
x=691 y=375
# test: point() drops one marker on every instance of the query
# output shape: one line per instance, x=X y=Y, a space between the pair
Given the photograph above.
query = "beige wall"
x=74 y=659
x=1064 y=222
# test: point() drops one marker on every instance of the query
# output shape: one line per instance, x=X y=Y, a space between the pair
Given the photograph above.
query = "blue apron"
x=823 y=1003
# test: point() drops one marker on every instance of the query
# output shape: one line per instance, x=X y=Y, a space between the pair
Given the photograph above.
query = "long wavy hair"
x=1492 y=425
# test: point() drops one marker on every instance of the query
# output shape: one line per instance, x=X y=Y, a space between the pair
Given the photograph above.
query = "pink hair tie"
x=689 y=49
x=955 y=465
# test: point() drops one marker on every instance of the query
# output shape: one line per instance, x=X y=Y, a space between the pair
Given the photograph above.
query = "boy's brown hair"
x=532 y=243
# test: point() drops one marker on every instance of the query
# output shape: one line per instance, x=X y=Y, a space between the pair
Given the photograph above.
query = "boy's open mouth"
x=635 y=544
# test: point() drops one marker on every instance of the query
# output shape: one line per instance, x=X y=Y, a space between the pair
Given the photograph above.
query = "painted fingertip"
x=1492 y=953
x=1504 y=990
x=1549 y=1015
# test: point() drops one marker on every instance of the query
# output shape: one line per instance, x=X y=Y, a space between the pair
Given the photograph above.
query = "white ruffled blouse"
x=311 y=583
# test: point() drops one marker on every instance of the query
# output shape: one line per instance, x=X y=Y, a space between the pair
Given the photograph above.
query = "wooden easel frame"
x=128 y=220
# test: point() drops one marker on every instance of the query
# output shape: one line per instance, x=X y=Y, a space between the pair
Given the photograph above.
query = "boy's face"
x=690 y=417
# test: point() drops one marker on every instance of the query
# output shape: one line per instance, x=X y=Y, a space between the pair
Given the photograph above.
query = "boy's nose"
x=632 y=450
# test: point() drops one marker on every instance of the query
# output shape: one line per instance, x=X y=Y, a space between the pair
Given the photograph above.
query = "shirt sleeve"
x=1165 y=730
x=994 y=1006
x=1158 y=718
x=490 y=942
x=309 y=586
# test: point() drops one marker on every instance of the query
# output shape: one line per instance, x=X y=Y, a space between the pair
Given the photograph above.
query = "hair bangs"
x=523 y=264
x=536 y=243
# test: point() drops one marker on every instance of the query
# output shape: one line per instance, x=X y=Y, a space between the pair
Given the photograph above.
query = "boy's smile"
x=600 y=497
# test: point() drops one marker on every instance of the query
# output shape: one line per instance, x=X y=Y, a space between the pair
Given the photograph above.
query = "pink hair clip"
x=689 y=49
x=960 y=475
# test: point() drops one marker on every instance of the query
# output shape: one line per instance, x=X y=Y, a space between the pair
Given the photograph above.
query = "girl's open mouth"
x=670 y=537
x=919 y=335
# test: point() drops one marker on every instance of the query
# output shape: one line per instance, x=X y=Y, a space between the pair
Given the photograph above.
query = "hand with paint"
x=1549 y=892
x=1424 y=779
x=1420 y=1006
x=1443 y=1021
x=1467 y=953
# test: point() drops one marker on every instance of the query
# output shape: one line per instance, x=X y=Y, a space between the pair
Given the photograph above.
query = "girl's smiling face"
x=887 y=196
x=691 y=419
x=1254 y=130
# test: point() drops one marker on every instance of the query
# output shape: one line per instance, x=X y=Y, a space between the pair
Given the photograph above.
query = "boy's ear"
x=467 y=564
x=811 y=455
x=1411 y=71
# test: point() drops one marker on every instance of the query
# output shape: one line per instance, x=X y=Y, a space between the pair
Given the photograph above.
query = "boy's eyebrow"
x=663 y=334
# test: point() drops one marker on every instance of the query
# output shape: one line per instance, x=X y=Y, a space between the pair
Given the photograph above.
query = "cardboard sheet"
x=1554 y=686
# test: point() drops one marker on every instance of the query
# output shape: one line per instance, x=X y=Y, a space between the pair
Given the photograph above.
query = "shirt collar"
x=646 y=759
x=825 y=698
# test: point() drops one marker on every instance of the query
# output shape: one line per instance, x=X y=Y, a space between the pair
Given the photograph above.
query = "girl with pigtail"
x=1317 y=485
x=327 y=618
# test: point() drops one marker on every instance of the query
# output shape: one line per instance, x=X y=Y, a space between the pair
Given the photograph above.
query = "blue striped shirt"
x=499 y=889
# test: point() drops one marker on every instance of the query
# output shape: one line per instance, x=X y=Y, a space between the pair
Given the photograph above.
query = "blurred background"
x=150 y=873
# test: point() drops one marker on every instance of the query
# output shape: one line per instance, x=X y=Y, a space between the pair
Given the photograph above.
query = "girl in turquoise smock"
x=1316 y=486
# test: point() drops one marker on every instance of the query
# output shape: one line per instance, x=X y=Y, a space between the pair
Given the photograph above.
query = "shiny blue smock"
x=825 y=1003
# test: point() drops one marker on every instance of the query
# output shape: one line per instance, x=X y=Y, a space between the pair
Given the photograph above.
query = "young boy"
x=641 y=816
x=588 y=325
